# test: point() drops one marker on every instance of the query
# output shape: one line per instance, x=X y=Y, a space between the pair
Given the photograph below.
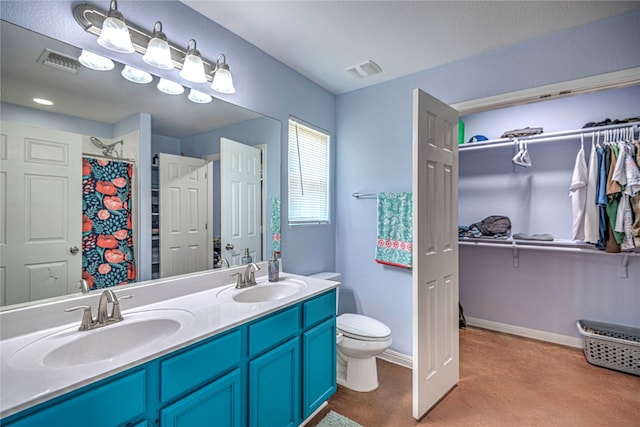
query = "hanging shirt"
x=578 y=194
x=591 y=217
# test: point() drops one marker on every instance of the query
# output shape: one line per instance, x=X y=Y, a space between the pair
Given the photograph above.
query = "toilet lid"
x=362 y=327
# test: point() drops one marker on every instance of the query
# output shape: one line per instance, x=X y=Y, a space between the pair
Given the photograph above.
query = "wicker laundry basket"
x=611 y=346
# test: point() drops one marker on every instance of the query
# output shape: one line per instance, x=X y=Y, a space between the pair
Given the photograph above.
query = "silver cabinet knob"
x=74 y=250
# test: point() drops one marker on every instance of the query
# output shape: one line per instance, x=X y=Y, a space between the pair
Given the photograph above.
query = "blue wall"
x=374 y=154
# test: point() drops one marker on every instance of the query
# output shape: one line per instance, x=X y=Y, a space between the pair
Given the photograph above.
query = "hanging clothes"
x=578 y=194
x=591 y=217
x=107 y=234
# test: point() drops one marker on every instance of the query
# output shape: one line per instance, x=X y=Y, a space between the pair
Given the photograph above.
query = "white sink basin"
x=264 y=291
x=70 y=347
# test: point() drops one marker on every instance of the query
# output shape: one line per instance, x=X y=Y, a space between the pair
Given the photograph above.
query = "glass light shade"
x=95 y=61
x=199 y=97
x=169 y=87
x=158 y=54
x=115 y=36
x=222 y=81
x=193 y=68
x=136 y=76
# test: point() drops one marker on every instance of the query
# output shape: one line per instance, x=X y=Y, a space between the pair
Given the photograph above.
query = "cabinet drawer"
x=79 y=408
x=319 y=309
x=273 y=330
x=199 y=365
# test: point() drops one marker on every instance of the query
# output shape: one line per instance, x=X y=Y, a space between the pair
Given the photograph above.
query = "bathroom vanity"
x=205 y=354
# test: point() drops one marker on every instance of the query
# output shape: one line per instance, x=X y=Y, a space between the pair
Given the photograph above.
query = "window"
x=308 y=175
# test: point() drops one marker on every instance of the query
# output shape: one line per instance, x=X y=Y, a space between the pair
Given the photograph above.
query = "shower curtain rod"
x=364 y=195
x=120 y=159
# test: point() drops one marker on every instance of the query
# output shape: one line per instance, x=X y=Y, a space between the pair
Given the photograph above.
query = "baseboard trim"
x=316 y=412
x=407 y=361
x=525 y=332
x=397 y=358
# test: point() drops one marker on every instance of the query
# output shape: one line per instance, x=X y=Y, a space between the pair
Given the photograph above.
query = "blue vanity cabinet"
x=318 y=351
x=111 y=402
x=273 y=371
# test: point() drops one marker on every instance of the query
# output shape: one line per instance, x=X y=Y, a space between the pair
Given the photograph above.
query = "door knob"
x=229 y=246
x=74 y=250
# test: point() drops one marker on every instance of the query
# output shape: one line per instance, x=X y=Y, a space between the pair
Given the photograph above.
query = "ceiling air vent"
x=59 y=61
x=365 y=69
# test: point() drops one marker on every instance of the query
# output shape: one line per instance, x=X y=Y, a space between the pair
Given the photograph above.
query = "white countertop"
x=23 y=386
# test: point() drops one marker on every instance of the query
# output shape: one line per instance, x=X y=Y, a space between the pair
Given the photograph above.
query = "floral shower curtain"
x=107 y=235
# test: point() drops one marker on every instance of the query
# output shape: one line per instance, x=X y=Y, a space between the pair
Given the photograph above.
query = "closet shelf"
x=556 y=245
x=542 y=137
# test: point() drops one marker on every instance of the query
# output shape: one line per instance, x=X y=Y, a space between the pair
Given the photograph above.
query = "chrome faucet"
x=248 y=278
x=103 y=318
x=250 y=274
x=224 y=263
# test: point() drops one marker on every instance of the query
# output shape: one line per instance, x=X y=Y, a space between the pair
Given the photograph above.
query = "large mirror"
x=46 y=216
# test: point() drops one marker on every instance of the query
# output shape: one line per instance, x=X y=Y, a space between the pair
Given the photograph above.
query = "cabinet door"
x=274 y=387
x=105 y=404
x=318 y=365
x=216 y=404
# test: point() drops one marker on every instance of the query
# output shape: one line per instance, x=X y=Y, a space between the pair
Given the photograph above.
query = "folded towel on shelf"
x=544 y=237
x=395 y=229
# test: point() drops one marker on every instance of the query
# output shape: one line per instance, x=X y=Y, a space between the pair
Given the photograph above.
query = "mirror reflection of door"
x=40 y=213
x=185 y=238
x=241 y=189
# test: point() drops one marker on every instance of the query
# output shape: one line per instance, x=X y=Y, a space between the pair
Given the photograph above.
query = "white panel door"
x=185 y=239
x=241 y=191
x=40 y=212
x=435 y=251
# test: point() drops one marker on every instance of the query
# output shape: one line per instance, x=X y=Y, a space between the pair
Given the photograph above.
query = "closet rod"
x=545 y=137
x=119 y=159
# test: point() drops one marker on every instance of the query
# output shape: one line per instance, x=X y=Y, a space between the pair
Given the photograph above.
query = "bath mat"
x=333 y=419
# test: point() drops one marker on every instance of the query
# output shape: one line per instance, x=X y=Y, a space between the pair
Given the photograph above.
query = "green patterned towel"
x=395 y=229
x=275 y=224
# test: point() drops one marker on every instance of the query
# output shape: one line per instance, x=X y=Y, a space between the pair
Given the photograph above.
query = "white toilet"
x=360 y=339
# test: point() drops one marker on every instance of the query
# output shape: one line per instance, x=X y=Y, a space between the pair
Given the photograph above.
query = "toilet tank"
x=345 y=298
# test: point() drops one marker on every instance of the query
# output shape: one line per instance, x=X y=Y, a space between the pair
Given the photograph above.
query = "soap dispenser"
x=246 y=258
x=274 y=268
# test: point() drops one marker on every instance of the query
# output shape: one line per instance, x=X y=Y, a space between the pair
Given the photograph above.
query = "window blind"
x=308 y=175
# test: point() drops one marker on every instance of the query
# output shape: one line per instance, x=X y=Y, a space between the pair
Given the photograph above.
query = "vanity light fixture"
x=199 y=97
x=169 y=87
x=222 y=79
x=158 y=52
x=91 y=19
x=193 y=68
x=115 y=33
x=136 y=76
x=95 y=62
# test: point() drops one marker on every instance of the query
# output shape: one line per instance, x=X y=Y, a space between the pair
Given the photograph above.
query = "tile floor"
x=505 y=380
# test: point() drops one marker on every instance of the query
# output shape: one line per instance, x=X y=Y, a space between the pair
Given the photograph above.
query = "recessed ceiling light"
x=42 y=101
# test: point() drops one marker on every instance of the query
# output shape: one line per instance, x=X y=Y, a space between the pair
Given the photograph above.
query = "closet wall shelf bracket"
x=516 y=255
x=623 y=271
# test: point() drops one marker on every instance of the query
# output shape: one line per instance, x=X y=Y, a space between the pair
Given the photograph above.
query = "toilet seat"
x=359 y=327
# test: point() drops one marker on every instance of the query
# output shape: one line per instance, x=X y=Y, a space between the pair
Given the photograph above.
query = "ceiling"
x=321 y=39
